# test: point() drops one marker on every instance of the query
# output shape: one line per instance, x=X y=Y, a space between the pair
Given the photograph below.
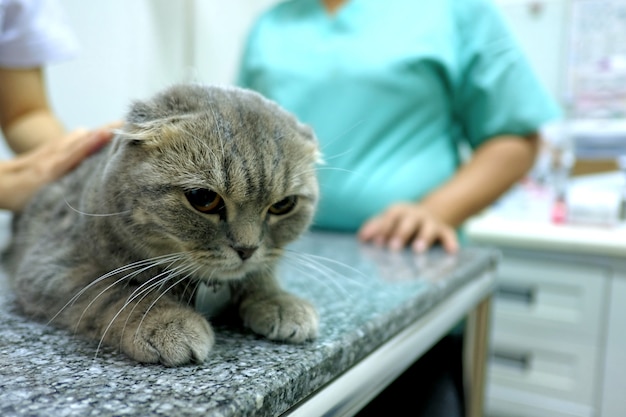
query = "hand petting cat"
x=22 y=176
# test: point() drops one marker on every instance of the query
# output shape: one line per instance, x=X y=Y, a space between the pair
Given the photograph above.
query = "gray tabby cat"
x=202 y=184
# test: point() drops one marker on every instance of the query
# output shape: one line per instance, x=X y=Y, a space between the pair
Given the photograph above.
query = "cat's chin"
x=231 y=275
x=225 y=274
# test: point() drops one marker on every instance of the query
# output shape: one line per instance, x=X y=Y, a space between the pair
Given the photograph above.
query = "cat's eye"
x=284 y=206
x=204 y=200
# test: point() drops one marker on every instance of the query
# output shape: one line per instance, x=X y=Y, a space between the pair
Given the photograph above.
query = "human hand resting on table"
x=22 y=176
x=494 y=167
x=409 y=224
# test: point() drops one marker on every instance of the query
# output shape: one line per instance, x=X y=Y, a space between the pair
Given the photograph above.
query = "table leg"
x=475 y=351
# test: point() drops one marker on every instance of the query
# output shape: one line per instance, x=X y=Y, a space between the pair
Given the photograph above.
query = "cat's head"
x=219 y=174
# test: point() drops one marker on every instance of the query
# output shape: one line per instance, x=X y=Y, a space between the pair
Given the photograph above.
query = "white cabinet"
x=614 y=378
x=548 y=326
x=557 y=345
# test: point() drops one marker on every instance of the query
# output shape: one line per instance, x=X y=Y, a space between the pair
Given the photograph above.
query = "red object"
x=559 y=212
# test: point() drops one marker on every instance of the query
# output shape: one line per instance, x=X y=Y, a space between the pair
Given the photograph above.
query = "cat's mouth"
x=225 y=266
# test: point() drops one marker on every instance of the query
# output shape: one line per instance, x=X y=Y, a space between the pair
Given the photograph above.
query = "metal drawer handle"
x=519 y=360
x=519 y=294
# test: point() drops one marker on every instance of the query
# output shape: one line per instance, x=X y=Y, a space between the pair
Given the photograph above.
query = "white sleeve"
x=33 y=33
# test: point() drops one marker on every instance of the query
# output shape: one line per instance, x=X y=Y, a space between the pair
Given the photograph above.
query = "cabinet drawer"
x=554 y=368
x=544 y=298
x=504 y=402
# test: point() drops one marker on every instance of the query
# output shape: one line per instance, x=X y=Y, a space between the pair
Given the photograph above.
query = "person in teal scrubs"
x=395 y=91
x=392 y=90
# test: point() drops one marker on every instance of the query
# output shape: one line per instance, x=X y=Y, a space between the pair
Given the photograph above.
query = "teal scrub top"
x=391 y=89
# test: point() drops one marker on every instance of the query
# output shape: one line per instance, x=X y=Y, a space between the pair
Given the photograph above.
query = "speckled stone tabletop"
x=364 y=296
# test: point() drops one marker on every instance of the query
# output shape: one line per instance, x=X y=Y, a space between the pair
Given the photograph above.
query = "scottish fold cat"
x=202 y=184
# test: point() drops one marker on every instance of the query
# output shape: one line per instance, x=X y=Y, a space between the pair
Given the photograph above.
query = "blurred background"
x=558 y=337
x=129 y=50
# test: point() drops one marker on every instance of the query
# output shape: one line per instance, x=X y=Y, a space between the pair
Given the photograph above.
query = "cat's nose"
x=245 y=252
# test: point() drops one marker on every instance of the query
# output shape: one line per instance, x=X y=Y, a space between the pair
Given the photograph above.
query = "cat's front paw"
x=283 y=317
x=172 y=336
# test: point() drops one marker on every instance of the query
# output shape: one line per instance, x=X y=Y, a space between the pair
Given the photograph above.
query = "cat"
x=202 y=184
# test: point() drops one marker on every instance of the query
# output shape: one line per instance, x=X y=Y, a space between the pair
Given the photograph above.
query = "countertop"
x=494 y=229
x=521 y=219
x=364 y=296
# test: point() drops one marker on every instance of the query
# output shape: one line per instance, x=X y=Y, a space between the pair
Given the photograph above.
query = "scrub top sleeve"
x=34 y=33
x=498 y=92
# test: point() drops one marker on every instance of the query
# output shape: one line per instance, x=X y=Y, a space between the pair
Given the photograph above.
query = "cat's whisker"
x=191 y=273
x=320 y=269
x=338 y=155
x=318 y=275
x=149 y=262
x=151 y=284
x=336 y=169
x=192 y=293
x=82 y=213
x=322 y=273
x=146 y=264
x=191 y=300
x=142 y=291
x=318 y=260
x=167 y=274
x=330 y=168
x=122 y=279
x=341 y=135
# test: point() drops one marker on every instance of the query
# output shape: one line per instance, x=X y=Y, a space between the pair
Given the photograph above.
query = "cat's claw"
x=283 y=317
x=173 y=337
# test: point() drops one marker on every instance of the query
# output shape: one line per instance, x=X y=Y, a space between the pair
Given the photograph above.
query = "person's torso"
x=374 y=81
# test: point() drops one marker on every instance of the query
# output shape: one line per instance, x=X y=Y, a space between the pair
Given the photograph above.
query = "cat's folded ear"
x=177 y=100
x=150 y=132
x=146 y=123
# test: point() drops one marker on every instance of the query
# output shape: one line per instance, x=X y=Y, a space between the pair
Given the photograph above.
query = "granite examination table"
x=379 y=312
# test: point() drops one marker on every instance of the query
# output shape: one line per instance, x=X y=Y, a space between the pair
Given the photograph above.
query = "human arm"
x=494 y=167
x=45 y=151
x=25 y=117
